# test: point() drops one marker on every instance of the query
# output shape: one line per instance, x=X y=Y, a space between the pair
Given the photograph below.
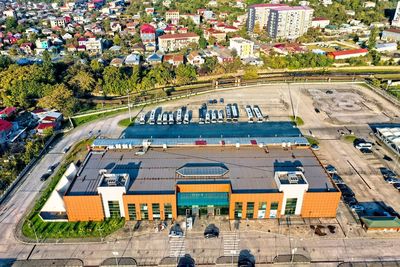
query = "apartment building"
x=174 y=42
x=243 y=47
x=289 y=22
x=94 y=45
x=258 y=15
x=396 y=18
x=57 y=22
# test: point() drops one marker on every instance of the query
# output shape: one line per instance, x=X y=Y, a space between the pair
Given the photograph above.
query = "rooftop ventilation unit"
x=293 y=178
x=102 y=171
x=111 y=181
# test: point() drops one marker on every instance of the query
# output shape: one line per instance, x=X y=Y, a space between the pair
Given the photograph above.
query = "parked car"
x=337 y=179
x=397 y=186
x=330 y=169
x=211 y=231
x=66 y=149
x=51 y=169
x=44 y=177
x=357 y=208
x=314 y=147
x=392 y=180
x=346 y=191
x=350 y=201
x=365 y=150
x=316 y=110
x=363 y=144
x=221 y=100
x=176 y=231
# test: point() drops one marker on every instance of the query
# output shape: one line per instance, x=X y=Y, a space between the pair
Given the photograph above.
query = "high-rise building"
x=396 y=18
x=258 y=15
x=289 y=22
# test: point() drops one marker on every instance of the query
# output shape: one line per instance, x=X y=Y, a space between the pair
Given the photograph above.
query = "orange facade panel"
x=320 y=204
x=183 y=188
x=84 y=208
x=149 y=200
x=257 y=199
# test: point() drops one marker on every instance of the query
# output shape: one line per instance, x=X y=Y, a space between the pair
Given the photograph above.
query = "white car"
x=364 y=145
x=357 y=208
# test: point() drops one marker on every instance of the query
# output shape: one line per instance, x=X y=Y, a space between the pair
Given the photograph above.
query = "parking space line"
x=358 y=174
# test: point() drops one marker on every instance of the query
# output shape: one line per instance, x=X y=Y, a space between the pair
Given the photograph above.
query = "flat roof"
x=250 y=169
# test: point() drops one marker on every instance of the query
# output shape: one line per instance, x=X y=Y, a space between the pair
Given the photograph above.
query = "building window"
x=156 y=210
x=113 y=207
x=250 y=210
x=290 y=206
x=238 y=210
x=144 y=212
x=274 y=205
x=132 y=212
x=167 y=211
x=262 y=208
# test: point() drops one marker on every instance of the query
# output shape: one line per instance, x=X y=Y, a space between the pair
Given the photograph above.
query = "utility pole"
x=129 y=105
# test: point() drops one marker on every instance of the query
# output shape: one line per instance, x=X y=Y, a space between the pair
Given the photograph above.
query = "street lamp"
x=34 y=231
x=115 y=253
x=129 y=105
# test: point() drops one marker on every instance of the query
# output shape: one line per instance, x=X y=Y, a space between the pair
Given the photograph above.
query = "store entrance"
x=204 y=204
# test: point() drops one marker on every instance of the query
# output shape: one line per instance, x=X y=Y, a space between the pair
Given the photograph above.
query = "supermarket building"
x=253 y=178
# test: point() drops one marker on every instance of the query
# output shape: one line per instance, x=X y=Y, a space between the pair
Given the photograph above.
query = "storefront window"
x=132 y=212
x=113 y=207
x=156 y=210
x=167 y=211
x=273 y=213
x=250 y=210
x=238 y=210
x=144 y=212
x=262 y=207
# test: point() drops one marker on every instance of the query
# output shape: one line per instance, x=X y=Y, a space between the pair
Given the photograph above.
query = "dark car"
x=316 y=110
x=211 y=231
x=221 y=100
x=186 y=261
x=350 y=201
x=44 y=177
x=365 y=150
x=176 y=231
x=346 y=191
x=246 y=259
x=397 y=186
x=215 y=101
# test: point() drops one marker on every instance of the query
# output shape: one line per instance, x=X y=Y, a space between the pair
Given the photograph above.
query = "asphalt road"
x=265 y=245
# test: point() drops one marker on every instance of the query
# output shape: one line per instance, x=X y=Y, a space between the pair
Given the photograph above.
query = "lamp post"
x=34 y=231
x=129 y=105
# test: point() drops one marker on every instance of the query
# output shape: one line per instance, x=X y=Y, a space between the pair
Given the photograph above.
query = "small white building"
x=386 y=47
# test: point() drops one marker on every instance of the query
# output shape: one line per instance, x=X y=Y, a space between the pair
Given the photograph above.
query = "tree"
x=209 y=65
x=83 y=82
x=202 y=43
x=375 y=56
x=96 y=66
x=185 y=74
x=5 y=61
x=117 y=40
x=250 y=73
x=115 y=81
x=372 y=38
x=11 y=23
x=61 y=98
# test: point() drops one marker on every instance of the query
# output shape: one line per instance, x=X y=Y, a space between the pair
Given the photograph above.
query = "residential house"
x=386 y=47
x=173 y=42
x=117 y=62
x=195 y=59
x=154 y=59
x=174 y=59
x=7 y=112
x=133 y=60
x=244 y=48
x=147 y=33
x=6 y=128
x=223 y=54
x=320 y=23
x=345 y=54
x=172 y=16
x=27 y=48
x=218 y=35
x=194 y=17
x=391 y=34
x=57 y=22
x=94 y=45
x=42 y=44
x=149 y=11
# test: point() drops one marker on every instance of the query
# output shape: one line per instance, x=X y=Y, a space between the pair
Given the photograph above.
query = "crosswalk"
x=231 y=243
x=177 y=247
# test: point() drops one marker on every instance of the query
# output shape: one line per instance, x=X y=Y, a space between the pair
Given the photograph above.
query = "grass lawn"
x=350 y=138
x=299 y=121
x=85 y=119
x=126 y=122
x=34 y=226
x=312 y=140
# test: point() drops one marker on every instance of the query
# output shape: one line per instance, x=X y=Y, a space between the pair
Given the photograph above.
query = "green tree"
x=372 y=38
x=61 y=98
x=83 y=82
x=185 y=74
x=11 y=23
x=202 y=43
x=115 y=81
x=250 y=73
x=5 y=61
x=117 y=40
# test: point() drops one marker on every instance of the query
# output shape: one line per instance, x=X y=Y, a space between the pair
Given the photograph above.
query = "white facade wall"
x=112 y=193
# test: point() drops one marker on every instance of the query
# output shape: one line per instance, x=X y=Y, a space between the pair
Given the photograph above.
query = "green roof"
x=381 y=222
